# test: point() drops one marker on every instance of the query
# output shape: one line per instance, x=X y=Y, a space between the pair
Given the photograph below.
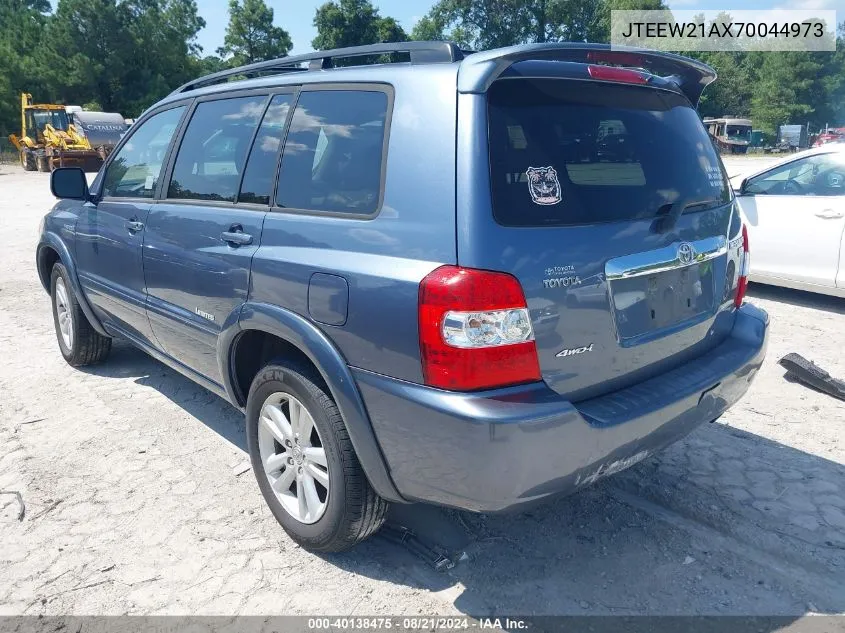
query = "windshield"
x=57 y=118
x=739 y=131
x=564 y=152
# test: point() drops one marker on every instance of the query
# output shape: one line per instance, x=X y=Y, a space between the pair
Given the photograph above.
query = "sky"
x=297 y=16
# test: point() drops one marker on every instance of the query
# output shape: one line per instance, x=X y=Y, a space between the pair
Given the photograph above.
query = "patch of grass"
x=7 y=157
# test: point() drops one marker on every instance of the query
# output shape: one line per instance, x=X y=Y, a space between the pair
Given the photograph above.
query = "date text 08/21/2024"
x=416 y=622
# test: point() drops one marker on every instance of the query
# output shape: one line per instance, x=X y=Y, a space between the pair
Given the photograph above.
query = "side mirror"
x=742 y=186
x=69 y=183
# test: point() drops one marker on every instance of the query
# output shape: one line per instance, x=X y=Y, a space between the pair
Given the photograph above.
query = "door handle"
x=133 y=226
x=829 y=214
x=236 y=237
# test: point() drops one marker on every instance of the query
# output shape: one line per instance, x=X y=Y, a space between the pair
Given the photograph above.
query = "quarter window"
x=213 y=151
x=261 y=166
x=136 y=168
x=332 y=160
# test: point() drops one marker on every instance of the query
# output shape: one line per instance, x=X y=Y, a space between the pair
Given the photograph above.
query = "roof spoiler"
x=479 y=70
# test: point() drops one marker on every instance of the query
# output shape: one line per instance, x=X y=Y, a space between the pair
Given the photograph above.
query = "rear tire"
x=43 y=163
x=348 y=509
x=79 y=343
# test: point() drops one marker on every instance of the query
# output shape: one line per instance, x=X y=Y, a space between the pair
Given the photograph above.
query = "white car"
x=795 y=213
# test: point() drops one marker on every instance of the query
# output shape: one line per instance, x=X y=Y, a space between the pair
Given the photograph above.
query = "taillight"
x=475 y=330
x=610 y=73
x=744 y=269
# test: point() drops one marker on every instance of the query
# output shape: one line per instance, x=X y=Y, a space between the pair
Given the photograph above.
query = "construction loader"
x=48 y=139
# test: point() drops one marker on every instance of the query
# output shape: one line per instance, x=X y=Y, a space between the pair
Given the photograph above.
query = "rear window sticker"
x=543 y=185
x=714 y=175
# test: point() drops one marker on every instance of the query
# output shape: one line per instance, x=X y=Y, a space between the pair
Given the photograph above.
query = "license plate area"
x=651 y=303
x=655 y=293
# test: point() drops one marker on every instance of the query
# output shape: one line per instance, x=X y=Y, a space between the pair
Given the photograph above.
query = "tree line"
x=124 y=55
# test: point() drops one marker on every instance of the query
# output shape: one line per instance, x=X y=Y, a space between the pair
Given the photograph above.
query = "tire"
x=28 y=160
x=43 y=163
x=351 y=509
x=83 y=345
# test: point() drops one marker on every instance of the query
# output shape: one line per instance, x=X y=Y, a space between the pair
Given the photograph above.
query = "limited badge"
x=543 y=185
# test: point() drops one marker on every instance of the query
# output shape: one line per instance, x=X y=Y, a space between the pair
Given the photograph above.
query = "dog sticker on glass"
x=543 y=185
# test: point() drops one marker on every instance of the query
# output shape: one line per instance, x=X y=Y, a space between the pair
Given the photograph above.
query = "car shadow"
x=723 y=522
x=799 y=298
x=126 y=361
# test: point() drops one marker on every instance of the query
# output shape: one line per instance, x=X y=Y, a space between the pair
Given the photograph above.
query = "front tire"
x=79 y=343
x=303 y=459
x=28 y=160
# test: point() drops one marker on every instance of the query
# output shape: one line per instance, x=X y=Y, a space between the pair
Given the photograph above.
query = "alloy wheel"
x=293 y=457
x=64 y=314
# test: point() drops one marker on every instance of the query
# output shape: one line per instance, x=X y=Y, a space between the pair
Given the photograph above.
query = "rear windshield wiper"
x=669 y=218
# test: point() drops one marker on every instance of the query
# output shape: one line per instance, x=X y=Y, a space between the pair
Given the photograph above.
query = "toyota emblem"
x=686 y=253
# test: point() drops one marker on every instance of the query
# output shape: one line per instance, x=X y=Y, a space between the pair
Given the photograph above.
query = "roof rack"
x=420 y=53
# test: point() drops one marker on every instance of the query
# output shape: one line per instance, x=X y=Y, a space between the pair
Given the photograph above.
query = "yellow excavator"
x=48 y=139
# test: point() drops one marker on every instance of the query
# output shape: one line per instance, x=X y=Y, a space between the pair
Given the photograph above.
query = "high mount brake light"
x=744 y=269
x=623 y=75
x=475 y=330
x=616 y=57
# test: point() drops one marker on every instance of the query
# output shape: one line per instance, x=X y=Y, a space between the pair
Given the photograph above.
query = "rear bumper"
x=497 y=450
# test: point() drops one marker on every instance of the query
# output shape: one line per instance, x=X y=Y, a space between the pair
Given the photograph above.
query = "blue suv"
x=468 y=279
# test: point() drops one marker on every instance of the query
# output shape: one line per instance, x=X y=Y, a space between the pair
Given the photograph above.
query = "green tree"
x=208 y=64
x=251 y=35
x=786 y=90
x=20 y=38
x=389 y=30
x=164 y=36
x=476 y=24
x=428 y=29
x=88 y=52
x=832 y=110
x=124 y=55
x=730 y=94
x=482 y=24
x=600 y=26
x=353 y=23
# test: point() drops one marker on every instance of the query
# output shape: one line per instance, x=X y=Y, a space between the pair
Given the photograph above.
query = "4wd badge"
x=574 y=351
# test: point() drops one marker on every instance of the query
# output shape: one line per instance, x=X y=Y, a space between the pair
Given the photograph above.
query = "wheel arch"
x=46 y=258
x=264 y=332
x=52 y=249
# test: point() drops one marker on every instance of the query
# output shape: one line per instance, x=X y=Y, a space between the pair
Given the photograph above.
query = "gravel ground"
x=739 y=164
x=134 y=504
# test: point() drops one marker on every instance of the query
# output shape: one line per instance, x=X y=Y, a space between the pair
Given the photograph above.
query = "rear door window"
x=214 y=148
x=334 y=152
x=565 y=153
x=257 y=186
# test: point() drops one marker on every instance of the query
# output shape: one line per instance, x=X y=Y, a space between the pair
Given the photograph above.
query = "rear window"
x=565 y=152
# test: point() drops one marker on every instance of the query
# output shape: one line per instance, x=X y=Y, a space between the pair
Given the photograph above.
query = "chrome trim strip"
x=664 y=259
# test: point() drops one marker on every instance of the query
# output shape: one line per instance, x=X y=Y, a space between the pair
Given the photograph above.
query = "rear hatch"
x=588 y=180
